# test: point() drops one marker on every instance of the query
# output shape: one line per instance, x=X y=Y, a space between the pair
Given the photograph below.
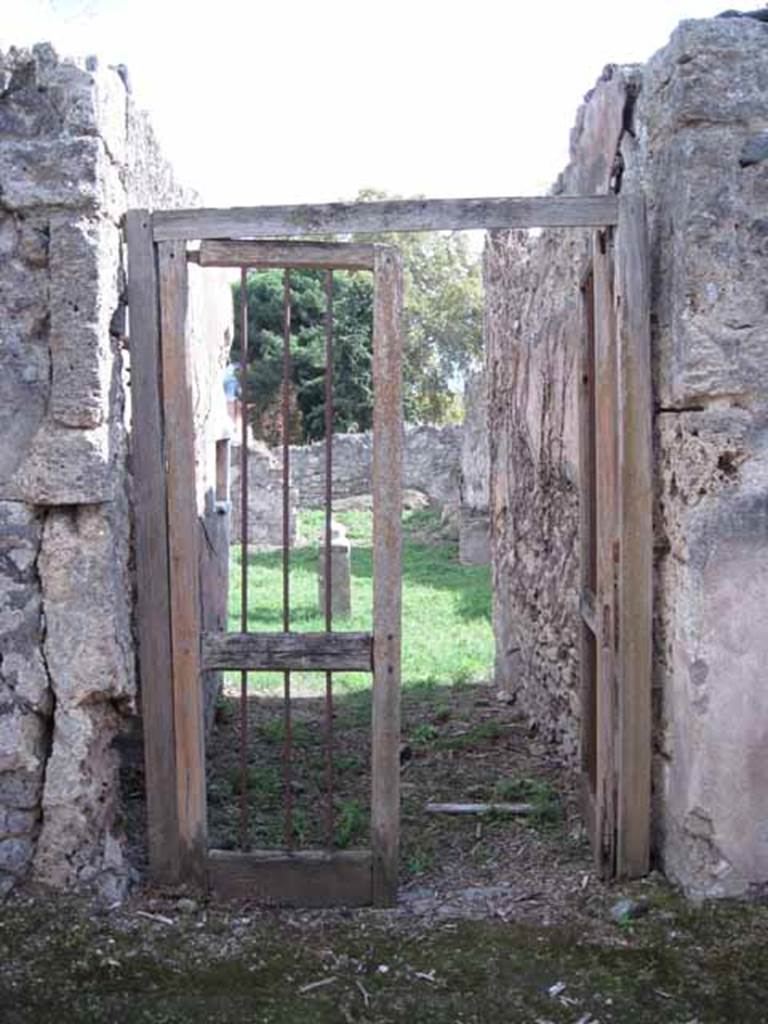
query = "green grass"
x=447 y=635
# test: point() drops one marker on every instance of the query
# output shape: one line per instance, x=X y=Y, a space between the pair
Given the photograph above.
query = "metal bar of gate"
x=328 y=538
x=244 y=553
x=287 y=740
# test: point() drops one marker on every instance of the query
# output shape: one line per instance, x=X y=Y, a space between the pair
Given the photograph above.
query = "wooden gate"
x=162 y=374
x=616 y=591
x=616 y=545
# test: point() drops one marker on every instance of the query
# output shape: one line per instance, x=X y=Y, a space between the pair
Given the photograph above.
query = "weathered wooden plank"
x=606 y=470
x=308 y=878
x=290 y=255
x=151 y=546
x=588 y=542
x=635 y=583
x=292 y=652
x=387 y=571
x=388 y=215
x=182 y=542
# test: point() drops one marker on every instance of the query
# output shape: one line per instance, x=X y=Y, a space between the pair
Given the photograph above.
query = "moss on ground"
x=64 y=961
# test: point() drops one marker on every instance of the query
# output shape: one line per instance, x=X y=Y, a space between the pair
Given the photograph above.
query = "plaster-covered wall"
x=689 y=129
x=74 y=155
x=701 y=153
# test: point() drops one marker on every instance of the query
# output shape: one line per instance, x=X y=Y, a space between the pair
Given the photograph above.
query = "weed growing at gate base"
x=447 y=635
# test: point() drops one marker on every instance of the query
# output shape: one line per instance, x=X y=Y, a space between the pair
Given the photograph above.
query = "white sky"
x=267 y=102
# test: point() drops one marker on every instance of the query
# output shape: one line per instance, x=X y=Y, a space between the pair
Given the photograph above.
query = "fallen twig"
x=363 y=993
x=316 y=984
x=155 y=917
x=480 y=809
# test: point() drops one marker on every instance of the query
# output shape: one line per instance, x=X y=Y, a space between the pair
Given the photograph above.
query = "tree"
x=352 y=370
x=443 y=315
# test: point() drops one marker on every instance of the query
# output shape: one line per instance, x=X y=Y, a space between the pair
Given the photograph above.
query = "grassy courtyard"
x=447 y=634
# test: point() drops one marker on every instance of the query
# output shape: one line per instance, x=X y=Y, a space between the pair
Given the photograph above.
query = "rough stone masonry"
x=690 y=130
x=431 y=466
x=74 y=155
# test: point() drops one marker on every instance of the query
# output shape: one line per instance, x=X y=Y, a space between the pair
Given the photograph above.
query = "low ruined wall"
x=74 y=155
x=265 y=497
x=431 y=463
x=695 y=142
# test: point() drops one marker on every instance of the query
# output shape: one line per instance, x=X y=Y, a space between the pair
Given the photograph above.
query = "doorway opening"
x=172 y=663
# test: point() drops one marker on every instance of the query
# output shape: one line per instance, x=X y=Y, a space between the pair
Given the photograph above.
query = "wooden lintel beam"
x=389 y=215
x=293 y=652
x=291 y=255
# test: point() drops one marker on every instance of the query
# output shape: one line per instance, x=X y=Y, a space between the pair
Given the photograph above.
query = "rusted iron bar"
x=328 y=560
x=287 y=738
x=244 y=553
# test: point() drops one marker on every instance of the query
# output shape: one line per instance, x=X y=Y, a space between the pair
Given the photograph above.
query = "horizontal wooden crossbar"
x=388 y=215
x=296 y=652
x=306 y=878
x=298 y=255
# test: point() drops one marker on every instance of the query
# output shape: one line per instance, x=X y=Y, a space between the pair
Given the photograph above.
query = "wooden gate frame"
x=616 y=604
x=166 y=528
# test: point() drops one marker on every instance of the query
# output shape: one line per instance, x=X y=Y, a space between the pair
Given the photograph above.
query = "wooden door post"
x=183 y=561
x=151 y=533
x=387 y=570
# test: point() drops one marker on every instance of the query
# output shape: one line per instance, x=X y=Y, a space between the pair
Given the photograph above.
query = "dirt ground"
x=499 y=919
x=459 y=744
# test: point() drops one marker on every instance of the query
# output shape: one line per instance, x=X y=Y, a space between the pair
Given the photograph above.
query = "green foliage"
x=443 y=310
x=547 y=808
x=424 y=733
x=264 y=782
x=477 y=736
x=352 y=372
x=352 y=824
x=273 y=731
x=420 y=860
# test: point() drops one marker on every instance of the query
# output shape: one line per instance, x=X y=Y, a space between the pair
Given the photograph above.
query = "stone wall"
x=474 y=488
x=690 y=129
x=265 y=497
x=431 y=464
x=701 y=154
x=533 y=327
x=74 y=155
